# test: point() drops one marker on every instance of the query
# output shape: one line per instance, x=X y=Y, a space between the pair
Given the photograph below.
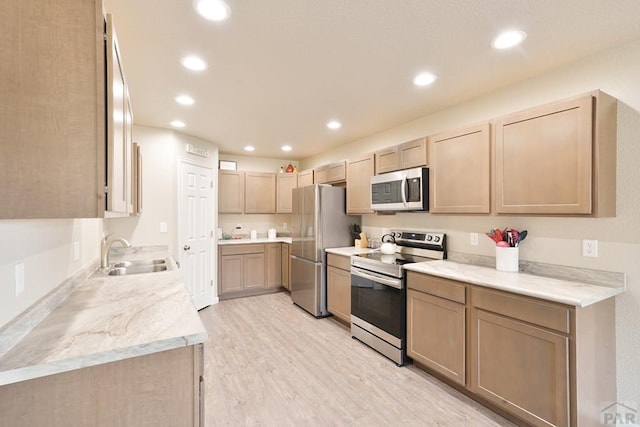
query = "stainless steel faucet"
x=105 y=246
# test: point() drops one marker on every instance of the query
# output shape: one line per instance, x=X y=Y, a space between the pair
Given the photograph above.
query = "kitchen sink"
x=136 y=269
x=140 y=263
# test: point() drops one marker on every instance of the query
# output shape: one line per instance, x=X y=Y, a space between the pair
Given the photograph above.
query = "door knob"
x=187 y=247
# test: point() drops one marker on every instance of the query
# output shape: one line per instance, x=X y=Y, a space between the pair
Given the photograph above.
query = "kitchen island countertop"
x=106 y=319
x=568 y=292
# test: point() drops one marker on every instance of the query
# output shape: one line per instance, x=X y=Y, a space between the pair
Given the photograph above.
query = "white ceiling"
x=278 y=70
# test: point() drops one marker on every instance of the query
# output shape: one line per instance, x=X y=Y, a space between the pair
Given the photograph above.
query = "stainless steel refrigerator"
x=319 y=221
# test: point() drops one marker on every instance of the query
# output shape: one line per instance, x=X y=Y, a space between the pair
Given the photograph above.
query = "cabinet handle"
x=186 y=247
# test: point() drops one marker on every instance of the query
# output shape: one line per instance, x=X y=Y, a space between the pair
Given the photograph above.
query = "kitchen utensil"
x=521 y=237
x=498 y=235
x=388 y=245
x=492 y=236
x=502 y=244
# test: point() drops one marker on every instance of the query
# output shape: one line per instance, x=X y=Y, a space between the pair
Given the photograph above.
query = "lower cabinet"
x=436 y=324
x=249 y=269
x=285 y=266
x=339 y=286
x=157 y=389
x=542 y=362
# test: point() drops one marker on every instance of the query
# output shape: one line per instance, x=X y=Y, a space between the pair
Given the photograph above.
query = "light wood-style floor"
x=269 y=363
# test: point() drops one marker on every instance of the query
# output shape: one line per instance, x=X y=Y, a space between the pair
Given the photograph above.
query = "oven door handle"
x=394 y=283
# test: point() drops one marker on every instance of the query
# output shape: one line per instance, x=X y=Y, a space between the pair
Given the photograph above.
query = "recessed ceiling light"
x=286 y=148
x=508 y=39
x=213 y=10
x=424 y=79
x=184 y=100
x=334 y=125
x=178 y=124
x=249 y=148
x=193 y=63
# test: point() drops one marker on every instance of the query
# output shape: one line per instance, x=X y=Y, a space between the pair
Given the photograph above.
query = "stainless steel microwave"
x=406 y=190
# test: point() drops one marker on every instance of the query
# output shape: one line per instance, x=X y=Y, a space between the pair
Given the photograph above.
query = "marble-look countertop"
x=258 y=240
x=349 y=250
x=563 y=291
x=108 y=318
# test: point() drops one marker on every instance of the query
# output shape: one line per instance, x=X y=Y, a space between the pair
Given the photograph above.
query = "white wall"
x=550 y=240
x=46 y=249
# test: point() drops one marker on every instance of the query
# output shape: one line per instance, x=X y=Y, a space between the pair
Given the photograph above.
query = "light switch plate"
x=163 y=227
x=590 y=248
x=473 y=239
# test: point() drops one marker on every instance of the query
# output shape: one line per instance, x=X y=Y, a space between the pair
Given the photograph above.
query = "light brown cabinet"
x=260 y=192
x=339 y=286
x=559 y=158
x=436 y=324
x=285 y=265
x=402 y=156
x=274 y=264
x=460 y=170
x=520 y=354
x=305 y=178
x=330 y=174
x=285 y=183
x=56 y=113
x=545 y=363
x=359 y=173
x=230 y=191
x=250 y=269
x=164 y=388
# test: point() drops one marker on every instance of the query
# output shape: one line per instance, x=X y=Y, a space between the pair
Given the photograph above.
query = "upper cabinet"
x=230 y=191
x=260 y=192
x=330 y=174
x=359 y=173
x=285 y=183
x=305 y=178
x=403 y=156
x=559 y=158
x=459 y=172
x=53 y=89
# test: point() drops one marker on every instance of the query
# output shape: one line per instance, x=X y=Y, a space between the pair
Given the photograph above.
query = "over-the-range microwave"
x=405 y=190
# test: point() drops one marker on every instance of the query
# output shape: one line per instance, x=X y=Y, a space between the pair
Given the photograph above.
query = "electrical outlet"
x=76 y=251
x=473 y=239
x=285 y=225
x=590 y=248
x=19 y=278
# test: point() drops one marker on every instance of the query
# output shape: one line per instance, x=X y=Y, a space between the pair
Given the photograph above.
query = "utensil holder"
x=507 y=259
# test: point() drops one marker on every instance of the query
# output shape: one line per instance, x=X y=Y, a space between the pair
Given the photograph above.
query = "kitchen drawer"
x=241 y=249
x=437 y=286
x=548 y=315
x=339 y=261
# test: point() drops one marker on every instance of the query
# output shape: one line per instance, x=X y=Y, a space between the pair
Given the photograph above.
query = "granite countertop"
x=578 y=294
x=258 y=240
x=108 y=318
x=349 y=250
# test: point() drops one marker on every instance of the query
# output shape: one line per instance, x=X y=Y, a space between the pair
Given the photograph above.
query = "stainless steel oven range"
x=378 y=291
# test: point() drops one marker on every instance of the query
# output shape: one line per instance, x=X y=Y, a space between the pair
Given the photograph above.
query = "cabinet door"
x=285 y=266
x=254 y=272
x=305 y=178
x=387 y=160
x=336 y=172
x=274 y=265
x=230 y=191
x=412 y=154
x=339 y=293
x=320 y=175
x=543 y=159
x=436 y=334
x=285 y=183
x=260 y=192
x=359 y=173
x=521 y=368
x=459 y=171
x=230 y=273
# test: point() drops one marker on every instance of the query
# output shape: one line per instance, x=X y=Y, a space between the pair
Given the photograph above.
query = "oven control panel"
x=420 y=239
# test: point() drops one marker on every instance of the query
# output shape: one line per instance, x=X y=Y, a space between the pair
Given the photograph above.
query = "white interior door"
x=195 y=231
